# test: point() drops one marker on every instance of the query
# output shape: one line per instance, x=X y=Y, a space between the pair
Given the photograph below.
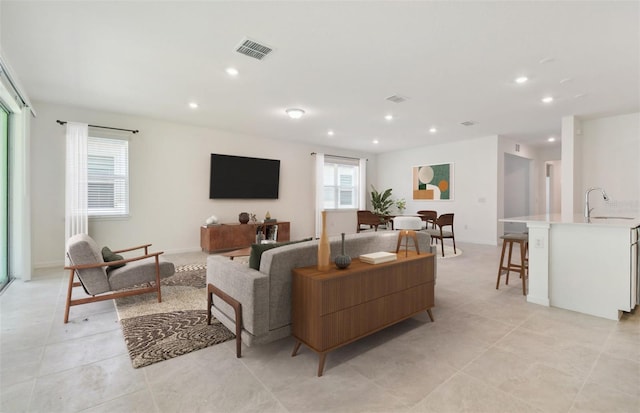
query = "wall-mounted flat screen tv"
x=240 y=177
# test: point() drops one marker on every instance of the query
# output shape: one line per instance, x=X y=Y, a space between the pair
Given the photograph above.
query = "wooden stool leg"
x=509 y=261
x=523 y=274
x=500 y=267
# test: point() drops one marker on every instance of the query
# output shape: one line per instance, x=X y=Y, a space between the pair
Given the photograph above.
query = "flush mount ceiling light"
x=551 y=139
x=388 y=117
x=193 y=105
x=295 y=113
x=547 y=99
x=433 y=130
x=330 y=132
x=521 y=79
x=375 y=142
x=232 y=71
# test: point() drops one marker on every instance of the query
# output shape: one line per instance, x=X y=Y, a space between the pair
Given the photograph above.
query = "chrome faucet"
x=587 y=210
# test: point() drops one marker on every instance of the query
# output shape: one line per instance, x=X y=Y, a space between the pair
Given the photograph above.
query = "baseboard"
x=48 y=264
x=538 y=300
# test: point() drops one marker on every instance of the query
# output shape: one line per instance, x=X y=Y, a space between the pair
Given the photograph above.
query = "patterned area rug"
x=156 y=331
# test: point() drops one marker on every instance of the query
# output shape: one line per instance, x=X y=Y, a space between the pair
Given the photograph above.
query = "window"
x=108 y=176
x=341 y=183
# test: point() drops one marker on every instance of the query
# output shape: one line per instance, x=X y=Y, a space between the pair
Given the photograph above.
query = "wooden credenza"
x=336 y=307
x=224 y=237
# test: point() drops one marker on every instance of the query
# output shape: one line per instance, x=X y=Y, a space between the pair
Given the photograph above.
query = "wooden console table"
x=336 y=307
x=224 y=237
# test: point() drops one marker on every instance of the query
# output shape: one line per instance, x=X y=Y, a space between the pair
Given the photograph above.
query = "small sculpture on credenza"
x=212 y=220
x=343 y=260
x=243 y=217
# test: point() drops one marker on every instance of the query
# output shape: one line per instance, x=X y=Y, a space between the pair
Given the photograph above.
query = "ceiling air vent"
x=468 y=123
x=396 y=99
x=253 y=49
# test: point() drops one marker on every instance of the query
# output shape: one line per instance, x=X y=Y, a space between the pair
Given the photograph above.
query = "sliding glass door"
x=4 y=197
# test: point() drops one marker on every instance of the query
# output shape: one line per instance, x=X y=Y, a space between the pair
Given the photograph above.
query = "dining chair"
x=429 y=216
x=440 y=233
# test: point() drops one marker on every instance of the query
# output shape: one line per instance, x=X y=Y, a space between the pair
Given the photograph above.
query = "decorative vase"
x=343 y=260
x=324 y=264
x=243 y=217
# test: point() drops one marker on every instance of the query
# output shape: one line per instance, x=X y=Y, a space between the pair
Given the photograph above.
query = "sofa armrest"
x=246 y=285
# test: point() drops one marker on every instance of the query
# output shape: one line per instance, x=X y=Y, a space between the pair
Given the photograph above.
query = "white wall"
x=517 y=191
x=510 y=147
x=610 y=159
x=475 y=190
x=169 y=181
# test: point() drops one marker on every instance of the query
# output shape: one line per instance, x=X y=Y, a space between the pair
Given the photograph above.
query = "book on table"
x=378 y=257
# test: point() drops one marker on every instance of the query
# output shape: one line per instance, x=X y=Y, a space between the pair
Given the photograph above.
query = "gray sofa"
x=265 y=295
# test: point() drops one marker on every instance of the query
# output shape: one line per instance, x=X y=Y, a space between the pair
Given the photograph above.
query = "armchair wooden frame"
x=237 y=308
x=117 y=294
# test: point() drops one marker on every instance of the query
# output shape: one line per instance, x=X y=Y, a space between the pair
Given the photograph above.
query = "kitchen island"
x=585 y=266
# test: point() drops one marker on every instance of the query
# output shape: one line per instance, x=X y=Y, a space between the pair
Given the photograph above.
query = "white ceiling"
x=454 y=61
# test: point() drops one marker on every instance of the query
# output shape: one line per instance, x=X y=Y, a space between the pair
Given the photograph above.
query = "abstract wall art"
x=433 y=182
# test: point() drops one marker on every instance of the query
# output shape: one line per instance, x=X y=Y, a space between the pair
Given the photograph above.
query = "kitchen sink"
x=611 y=217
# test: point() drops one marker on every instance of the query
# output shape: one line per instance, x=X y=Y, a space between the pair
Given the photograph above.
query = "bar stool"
x=522 y=267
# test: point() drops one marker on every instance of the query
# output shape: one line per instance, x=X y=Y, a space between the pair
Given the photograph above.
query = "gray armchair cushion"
x=139 y=272
x=82 y=249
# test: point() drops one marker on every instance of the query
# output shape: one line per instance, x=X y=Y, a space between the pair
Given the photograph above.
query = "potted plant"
x=381 y=202
x=401 y=204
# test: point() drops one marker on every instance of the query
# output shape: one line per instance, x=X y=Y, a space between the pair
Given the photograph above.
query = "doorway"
x=517 y=190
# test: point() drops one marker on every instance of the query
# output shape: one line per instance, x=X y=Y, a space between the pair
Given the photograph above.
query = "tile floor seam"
x=150 y=390
x=588 y=375
x=264 y=386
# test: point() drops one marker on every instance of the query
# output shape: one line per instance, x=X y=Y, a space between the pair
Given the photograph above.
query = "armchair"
x=103 y=281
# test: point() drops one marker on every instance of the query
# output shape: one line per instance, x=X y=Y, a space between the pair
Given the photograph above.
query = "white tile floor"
x=488 y=351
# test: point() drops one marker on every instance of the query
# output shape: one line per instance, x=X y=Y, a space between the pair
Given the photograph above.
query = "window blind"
x=108 y=176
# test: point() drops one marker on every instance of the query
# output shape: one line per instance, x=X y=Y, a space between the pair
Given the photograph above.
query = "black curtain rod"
x=337 y=156
x=64 y=122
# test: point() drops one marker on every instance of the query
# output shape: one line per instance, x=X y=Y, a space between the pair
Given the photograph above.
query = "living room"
x=169 y=157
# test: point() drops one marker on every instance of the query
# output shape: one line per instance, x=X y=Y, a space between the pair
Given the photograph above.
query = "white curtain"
x=319 y=191
x=76 y=216
x=362 y=170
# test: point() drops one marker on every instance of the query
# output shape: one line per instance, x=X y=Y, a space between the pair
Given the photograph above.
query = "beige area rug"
x=448 y=251
x=156 y=331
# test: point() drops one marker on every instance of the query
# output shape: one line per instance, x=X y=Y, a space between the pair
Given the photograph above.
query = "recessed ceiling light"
x=232 y=71
x=193 y=105
x=295 y=113
x=388 y=117
x=375 y=141
x=547 y=99
x=330 y=132
x=433 y=130
x=565 y=80
x=522 y=79
x=547 y=60
x=551 y=139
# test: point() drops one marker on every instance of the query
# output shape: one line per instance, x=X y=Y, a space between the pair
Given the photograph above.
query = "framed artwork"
x=433 y=182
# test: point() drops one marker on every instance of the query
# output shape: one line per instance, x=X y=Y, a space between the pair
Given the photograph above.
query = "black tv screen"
x=240 y=177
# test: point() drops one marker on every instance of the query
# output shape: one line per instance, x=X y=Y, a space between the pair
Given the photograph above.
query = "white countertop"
x=578 y=219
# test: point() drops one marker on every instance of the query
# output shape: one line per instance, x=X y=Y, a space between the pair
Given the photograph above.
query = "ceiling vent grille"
x=253 y=49
x=468 y=123
x=396 y=99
